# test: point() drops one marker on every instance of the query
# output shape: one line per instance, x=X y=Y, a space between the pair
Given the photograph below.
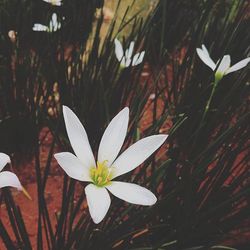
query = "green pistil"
x=101 y=175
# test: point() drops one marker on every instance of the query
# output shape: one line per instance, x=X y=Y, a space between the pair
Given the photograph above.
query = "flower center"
x=101 y=175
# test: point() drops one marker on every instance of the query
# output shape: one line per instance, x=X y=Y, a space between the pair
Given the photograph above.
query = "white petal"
x=138 y=58
x=4 y=159
x=9 y=179
x=135 y=59
x=224 y=65
x=241 y=64
x=141 y=57
x=98 y=200
x=206 y=58
x=129 y=51
x=113 y=137
x=128 y=62
x=132 y=193
x=78 y=138
x=137 y=154
x=50 y=27
x=73 y=166
x=123 y=62
x=205 y=50
x=53 y=23
x=118 y=50
x=54 y=18
x=54 y=2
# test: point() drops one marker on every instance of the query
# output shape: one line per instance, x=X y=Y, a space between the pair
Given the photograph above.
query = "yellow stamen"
x=99 y=179
x=102 y=174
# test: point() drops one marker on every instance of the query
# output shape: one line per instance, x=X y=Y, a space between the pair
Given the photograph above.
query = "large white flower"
x=126 y=59
x=83 y=166
x=7 y=178
x=224 y=66
x=54 y=2
x=54 y=25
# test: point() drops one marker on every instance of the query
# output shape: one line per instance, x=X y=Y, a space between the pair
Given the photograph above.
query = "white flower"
x=54 y=25
x=54 y=2
x=125 y=58
x=83 y=166
x=39 y=27
x=224 y=66
x=8 y=179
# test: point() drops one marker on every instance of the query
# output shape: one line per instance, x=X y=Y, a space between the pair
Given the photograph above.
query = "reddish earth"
x=27 y=176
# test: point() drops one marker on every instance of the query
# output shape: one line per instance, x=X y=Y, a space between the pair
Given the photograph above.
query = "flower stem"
x=209 y=101
x=216 y=81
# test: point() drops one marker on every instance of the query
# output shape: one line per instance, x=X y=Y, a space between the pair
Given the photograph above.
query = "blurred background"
x=200 y=176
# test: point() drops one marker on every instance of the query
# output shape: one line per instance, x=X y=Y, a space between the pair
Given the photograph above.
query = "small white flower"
x=40 y=27
x=83 y=166
x=224 y=66
x=54 y=2
x=125 y=58
x=7 y=178
x=54 y=25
